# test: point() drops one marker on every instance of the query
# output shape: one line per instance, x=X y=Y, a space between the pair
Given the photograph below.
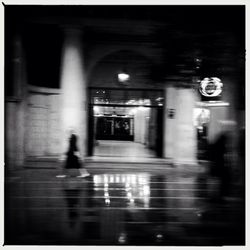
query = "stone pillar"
x=73 y=87
x=169 y=122
x=185 y=149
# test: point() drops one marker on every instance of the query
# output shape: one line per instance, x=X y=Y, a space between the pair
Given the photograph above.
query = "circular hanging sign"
x=211 y=86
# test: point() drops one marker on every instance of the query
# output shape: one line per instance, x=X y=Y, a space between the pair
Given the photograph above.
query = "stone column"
x=185 y=134
x=169 y=122
x=73 y=87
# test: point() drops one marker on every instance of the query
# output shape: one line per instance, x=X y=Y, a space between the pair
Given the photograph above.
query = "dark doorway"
x=159 y=134
x=125 y=123
x=114 y=128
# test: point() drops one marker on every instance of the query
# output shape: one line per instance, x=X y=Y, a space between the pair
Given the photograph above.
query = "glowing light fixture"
x=146 y=190
x=111 y=179
x=107 y=201
x=96 y=180
x=105 y=179
x=123 y=77
x=133 y=111
x=96 y=109
x=122 y=238
x=141 y=108
x=117 y=179
x=140 y=102
x=133 y=180
x=129 y=194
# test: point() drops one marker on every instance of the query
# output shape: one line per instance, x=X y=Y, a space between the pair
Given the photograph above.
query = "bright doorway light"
x=96 y=109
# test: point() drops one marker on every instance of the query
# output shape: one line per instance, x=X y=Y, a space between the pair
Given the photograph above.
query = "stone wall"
x=14 y=133
x=42 y=130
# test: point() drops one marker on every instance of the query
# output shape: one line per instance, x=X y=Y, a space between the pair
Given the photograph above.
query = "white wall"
x=14 y=133
x=140 y=124
x=180 y=142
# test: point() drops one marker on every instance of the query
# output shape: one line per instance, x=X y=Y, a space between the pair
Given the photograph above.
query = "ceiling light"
x=123 y=77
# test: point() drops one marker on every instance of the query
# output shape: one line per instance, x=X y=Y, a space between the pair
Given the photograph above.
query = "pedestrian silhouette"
x=219 y=166
x=72 y=160
x=73 y=164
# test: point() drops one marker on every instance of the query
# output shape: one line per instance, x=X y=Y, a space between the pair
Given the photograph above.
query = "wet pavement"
x=121 y=206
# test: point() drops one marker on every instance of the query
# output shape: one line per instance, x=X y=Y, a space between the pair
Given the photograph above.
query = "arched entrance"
x=125 y=118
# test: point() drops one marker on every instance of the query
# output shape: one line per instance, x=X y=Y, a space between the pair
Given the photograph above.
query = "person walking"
x=220 y=167
x=73 y=161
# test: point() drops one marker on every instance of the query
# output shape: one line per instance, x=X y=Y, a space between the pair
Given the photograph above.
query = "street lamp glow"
x=123 y=77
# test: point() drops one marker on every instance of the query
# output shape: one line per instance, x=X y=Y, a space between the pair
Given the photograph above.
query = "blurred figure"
x=73 y=159
x=241 y=152
x=219 y=165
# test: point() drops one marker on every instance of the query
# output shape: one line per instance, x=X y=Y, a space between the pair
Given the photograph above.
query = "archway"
x=125 y=118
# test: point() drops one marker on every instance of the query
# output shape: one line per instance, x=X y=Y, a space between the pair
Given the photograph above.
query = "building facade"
x=62 y=68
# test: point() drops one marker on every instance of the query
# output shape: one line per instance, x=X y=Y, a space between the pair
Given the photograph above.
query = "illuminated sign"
x=211 y=87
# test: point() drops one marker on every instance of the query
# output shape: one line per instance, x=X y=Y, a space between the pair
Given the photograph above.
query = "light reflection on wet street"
x=119 y=208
